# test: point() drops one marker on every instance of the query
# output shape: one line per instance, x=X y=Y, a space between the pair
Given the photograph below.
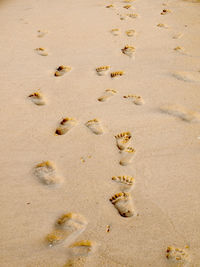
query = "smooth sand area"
x=100 y=133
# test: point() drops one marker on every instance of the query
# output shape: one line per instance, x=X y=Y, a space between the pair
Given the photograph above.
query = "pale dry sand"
x=165 y=196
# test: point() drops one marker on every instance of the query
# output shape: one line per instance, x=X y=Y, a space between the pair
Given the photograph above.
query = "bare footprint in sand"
x=83 y=248
x=42 y=33
x=162 y=25
x=180 y=50
x=117 y=73
x=123 y=203
x=115 y=32
x=132 y=15
x=67 y=228
x=181 y=112
x=107 y=95
x=41 y=51
x=178 y=256
x=122 y=140
x=177 y=35
x=187 y=76
x=128 y=50
x=127 y=156
x=137 y=100
x=65 y=125
x=95 y=126
x=130 y=33
x=127 y=7
x=110 y=6
x=126 y=182
x=47 y=174
x=61 y=70
x=37 y=98
x=165 y=11
x=103 y=70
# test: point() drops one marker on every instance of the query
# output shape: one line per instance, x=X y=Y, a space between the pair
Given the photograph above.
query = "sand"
x=158 y=107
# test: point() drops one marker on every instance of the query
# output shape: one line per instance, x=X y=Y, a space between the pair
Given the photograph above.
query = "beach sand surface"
x=165 y=196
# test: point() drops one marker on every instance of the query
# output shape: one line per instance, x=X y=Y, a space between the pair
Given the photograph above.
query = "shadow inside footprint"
x=61 y=70
x=67 y=228
x=187 y=76
x=137 y=100
x=41 y=51
x=126 y=182
x=37 y=98
x=95 y=126
x=107 y=95
x=127 y=156
x=181 y=112
x=177 y=255
x=83 y=248
x=122 y=140
x=123 y=203
x=65 y=125
x=47 y=174
x=103 y=70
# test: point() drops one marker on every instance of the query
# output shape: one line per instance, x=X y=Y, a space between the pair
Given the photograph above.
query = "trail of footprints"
x=68 y=227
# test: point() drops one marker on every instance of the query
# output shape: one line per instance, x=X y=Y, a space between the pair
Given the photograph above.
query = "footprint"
x=107 y=94
x=68 y=227
x=130 y=33
x=127 y=182
x=41 y=51
x=47 y=174
x=123 y=203
x=165 y=11
x=83 y=248
x=65 y=125
x=179 y=49
x=37 y=98
x=115 y=32
x=127 y=156
x=177 y=35
x=177 y=255
x=95 y=126
x=42 y=33
x=187 y=76
x=181 y=112
x=56 y=237
x=116 y=73
x=132 y=15
x=162 y=25
x=128 y=50
x=127 y=6
x=137 y=100
x=122 y=140
x=61 y=70
x=110 y=6
x=103 y=70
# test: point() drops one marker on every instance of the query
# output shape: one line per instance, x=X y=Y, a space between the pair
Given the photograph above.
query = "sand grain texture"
x=166 y=163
